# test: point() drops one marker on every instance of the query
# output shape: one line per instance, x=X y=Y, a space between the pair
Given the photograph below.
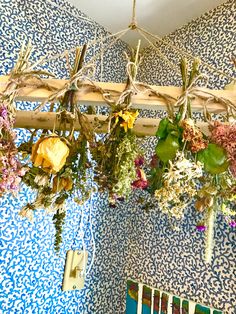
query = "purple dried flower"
x=232 y=224
x=141 y=182
x=4 y=171
x=201 y=228
x=3 y=185
x=13 y=187
x=3 y=112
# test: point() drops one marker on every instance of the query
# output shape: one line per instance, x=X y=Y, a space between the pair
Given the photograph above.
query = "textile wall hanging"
x=142 y=299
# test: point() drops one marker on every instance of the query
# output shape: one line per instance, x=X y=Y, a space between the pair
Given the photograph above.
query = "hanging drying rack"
x=143 y=126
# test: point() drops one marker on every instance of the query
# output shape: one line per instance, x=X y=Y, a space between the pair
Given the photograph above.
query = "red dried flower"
x=141 y=182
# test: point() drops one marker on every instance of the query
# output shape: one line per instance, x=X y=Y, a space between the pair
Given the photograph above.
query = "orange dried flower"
x=193 y=135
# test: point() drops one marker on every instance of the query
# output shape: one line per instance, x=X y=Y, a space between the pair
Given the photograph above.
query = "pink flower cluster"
x=11 y=170
x=141 y=182
x=225 y=136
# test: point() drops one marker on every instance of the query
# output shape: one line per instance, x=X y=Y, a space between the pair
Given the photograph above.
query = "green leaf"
x=167 y=149
x=214 y=159
x=162 y=129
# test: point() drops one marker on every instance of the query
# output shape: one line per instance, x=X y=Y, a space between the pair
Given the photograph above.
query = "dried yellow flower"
x=129 y=118
x=50 y=153
x=62 y=184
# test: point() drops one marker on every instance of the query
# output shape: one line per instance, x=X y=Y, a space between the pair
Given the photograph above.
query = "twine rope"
x=48 y=57
x=134 y=12
x=98 y=55
x=192 y=91
x=172 y=65
x=184 y=52
x=101 y=63
x=82 y=75
x=134 y=87
x=131 y=88
x=143 y=32
x=133 y=24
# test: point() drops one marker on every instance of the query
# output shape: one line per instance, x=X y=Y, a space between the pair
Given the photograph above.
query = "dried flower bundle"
x=115 y=157
x=59 y=165
x=117 y=153
x=11 y=170
x=60 y=159
x=188 y=166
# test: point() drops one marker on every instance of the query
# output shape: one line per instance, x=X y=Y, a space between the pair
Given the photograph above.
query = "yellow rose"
x=50 y=153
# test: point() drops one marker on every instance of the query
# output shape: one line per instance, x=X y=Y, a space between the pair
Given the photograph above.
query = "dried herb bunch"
x=175 y=170
x=116 y=152
x=11 y=170
x=190 y=166
x=115 y=169
x=61 y=165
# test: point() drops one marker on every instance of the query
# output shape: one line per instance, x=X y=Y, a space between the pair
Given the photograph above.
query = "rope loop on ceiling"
x=144 y=33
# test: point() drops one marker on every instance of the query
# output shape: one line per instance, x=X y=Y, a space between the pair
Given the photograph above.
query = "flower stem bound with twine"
x=61 y=165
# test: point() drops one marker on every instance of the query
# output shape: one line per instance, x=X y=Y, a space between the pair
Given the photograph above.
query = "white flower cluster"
x=179 y=185
x=183 y=169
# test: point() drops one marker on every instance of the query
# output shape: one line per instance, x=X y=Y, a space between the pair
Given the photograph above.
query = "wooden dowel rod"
x=46 y=120
x=140 y=101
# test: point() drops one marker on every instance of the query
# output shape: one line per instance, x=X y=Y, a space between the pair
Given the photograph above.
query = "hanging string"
x=133 y=24
x=93 y=42
x=134 y=12
x=47 y=57
x=172 y=65
x=94 y=47
x=143 y=32
x=101 y=62
x=184 y=52
x=109 y=46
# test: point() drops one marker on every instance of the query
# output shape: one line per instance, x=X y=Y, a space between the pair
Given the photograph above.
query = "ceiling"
x=160 y=17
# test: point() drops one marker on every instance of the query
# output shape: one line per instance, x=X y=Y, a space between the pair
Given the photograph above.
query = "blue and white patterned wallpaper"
x=174 y=260
x=130 y=242
x=211 y=37
x=31 y=273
